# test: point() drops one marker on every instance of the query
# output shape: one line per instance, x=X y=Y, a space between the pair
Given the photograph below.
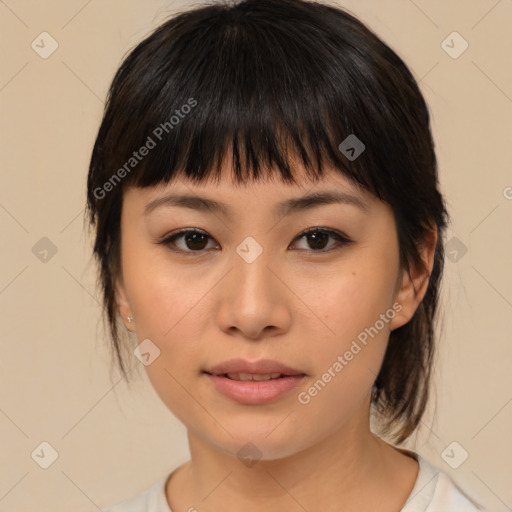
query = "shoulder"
x=449 y=496
x=151 y=500
x=435 y=491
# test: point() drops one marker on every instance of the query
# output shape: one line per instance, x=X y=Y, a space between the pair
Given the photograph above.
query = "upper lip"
x=262 y=366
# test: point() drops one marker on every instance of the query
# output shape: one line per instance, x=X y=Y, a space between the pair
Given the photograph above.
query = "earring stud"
x=129 y=318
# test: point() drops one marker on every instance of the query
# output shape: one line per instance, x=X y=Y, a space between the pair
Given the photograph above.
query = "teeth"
x=253 y=376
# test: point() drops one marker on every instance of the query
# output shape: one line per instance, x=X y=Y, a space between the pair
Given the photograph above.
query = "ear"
x=413 y=285
x=123 y=305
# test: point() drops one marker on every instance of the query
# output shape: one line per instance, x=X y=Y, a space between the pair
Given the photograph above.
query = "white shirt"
x=434 y=491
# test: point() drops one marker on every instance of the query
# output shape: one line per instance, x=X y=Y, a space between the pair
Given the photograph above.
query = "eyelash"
x=341 y=240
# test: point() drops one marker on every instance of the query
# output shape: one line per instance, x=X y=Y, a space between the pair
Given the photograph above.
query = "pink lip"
x=244 y=366
x=253 y=392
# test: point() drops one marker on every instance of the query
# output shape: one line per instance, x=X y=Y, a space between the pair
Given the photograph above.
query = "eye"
x=317 y=238
x=195 y=241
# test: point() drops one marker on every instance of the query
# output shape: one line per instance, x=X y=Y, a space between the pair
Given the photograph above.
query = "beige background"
x=112 y=440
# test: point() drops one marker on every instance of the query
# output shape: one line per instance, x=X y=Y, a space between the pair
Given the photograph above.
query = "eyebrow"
x=287 y=207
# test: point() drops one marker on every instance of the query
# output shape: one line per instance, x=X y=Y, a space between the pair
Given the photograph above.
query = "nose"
x=253 y=299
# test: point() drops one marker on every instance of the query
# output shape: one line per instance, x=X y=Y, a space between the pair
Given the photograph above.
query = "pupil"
x=315 y=236
x=195 y=237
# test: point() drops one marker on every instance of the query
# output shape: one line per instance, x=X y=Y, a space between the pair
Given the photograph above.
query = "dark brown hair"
x=268 y=79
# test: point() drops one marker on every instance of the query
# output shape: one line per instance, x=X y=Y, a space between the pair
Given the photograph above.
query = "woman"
x=269 y=227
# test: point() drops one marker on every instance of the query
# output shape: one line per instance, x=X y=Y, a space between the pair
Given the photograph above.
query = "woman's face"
x=250 y=284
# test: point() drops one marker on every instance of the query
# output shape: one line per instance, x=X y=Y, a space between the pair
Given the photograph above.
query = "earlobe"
x=123 y=305
x=413 y=284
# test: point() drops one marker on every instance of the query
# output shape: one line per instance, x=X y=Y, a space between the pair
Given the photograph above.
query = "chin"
x=251 y=445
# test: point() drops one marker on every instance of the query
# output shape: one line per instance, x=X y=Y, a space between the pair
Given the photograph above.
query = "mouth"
x=263 y=369
x=246 y=377
x=253 y=383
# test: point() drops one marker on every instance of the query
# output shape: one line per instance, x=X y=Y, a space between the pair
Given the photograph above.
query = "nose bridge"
x=254 y=298
x=252 y=275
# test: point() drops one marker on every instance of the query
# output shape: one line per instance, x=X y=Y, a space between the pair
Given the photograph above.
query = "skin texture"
x=293 y=305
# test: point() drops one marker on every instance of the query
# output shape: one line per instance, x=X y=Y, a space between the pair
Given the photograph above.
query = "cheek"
x=355 y=307
x=352 y=297
x=171 y=310
x=166 y=299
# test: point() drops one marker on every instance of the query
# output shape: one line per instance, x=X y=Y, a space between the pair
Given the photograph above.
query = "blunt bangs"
x=231 y=82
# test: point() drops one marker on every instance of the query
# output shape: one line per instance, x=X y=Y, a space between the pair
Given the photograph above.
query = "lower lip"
x=255 y=392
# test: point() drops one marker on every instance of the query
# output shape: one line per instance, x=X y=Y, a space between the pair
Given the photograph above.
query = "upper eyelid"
x=334 y=233
x=303 y=232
